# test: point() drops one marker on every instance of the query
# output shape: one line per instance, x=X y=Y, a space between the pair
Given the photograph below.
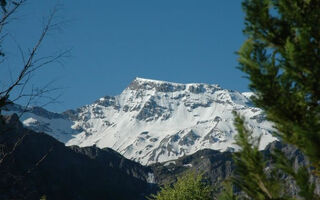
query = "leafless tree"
x=30 y=61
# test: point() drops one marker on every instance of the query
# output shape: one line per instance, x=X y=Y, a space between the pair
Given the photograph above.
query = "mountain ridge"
x=40 y=165
x=156 y=121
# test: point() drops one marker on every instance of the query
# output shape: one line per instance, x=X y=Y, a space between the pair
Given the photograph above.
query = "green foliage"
x=43 y=197
x=259 y=181
x=188 y=187
x=227 y=192
x=250 y=175
x=282 y=60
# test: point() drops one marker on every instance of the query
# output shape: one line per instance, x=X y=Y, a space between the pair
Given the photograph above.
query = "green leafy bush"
x=190 y=186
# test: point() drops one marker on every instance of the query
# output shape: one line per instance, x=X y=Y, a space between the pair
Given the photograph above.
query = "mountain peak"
x=155 y=121
x=166 y=86
x=144 y=80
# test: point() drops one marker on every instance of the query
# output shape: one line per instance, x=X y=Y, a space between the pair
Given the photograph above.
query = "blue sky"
x=114 y=41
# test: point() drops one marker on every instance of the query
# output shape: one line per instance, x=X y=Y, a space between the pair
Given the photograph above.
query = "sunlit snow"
x=156 y=121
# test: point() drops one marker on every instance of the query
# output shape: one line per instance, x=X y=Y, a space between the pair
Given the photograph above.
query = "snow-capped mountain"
x=155 y=121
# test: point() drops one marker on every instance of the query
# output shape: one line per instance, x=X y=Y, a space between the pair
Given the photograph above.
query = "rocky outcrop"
x=217 y=166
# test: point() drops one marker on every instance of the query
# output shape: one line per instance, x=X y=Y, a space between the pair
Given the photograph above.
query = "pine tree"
x=258 y=180
x=250 y=174
x=189 y=186
x=282 y=60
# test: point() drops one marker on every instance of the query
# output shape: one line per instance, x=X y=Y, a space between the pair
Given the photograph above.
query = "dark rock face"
x=108 y=101
x=217 y=166
x=71 y=114
x=298 y=160
x=189 y=138
x=159 y=87
x=213 y=136
x=44 y=113
x=152 y=111
x=114 y=160
x=34 y=164
x=193 y=105
x=197 y=89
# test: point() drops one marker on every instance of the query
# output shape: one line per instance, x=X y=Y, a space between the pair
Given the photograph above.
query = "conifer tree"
x=282 y=60
x=250 y=172
x=258 y=180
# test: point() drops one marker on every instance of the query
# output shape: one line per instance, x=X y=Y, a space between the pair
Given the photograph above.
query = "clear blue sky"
x=114 y=41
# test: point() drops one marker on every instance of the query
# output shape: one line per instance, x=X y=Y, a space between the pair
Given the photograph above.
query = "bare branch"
x=16 y=144
x=3 y=20
x=31 y=64
x=41 y=160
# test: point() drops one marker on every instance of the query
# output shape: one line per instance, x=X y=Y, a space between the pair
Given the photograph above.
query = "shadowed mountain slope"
x=35 y=164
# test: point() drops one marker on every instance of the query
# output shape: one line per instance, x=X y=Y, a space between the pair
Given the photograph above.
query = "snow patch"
x=187 y=165
x=151 y=178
